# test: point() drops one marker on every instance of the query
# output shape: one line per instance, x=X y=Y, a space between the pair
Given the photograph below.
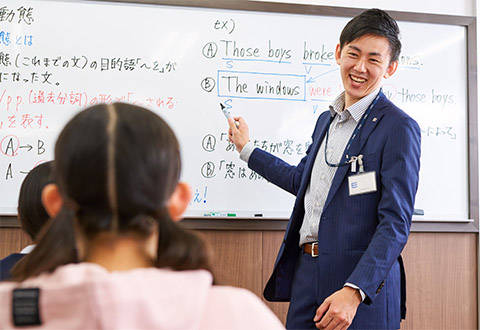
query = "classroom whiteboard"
x=276 y=70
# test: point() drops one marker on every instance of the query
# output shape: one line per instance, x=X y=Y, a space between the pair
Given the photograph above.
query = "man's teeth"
x=359 y=80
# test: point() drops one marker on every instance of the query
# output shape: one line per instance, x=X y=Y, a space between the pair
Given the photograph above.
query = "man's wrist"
x=356 y=288
x=246 y=151
x=355 y=294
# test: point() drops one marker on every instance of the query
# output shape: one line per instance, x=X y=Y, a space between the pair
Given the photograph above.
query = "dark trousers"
x=307 y=296
x=304 y=304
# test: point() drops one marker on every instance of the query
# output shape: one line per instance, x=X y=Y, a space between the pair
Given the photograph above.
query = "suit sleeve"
x=399 y=182
x=277 y=171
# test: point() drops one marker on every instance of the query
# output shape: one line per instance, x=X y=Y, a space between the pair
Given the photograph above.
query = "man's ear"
x=392 y=67
x=52 y=200
x=178 y=202
x=338 y=53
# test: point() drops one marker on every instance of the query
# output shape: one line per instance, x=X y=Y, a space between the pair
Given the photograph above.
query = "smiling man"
x=339 y=264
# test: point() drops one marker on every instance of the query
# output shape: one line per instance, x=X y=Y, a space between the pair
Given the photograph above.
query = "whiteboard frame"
x=424 y=225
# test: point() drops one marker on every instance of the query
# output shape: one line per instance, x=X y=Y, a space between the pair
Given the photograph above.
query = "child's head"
x=31 y=213
x=117 y=168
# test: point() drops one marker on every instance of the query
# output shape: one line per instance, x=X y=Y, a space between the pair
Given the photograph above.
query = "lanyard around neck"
x=356 y=132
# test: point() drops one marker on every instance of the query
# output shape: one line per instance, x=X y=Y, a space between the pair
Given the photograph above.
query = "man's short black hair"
x=375 y=22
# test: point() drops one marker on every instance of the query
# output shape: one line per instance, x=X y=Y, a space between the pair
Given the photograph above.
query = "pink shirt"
x=86 y=296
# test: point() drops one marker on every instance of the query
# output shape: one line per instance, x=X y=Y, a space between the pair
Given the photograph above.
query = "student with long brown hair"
x=31 y=213
x=117 y=170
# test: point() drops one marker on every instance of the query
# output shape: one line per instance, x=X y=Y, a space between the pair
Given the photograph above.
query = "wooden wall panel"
x=441 y=279
x=12 y=240
x=441 y=271
x=237 y=258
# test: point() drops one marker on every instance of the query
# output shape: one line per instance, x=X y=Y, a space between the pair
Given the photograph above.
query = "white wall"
x=446 y=7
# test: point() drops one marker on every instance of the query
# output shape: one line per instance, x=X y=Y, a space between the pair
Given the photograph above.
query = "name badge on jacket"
x=362 y=183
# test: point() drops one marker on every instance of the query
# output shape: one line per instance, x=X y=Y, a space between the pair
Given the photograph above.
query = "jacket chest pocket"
x=372 y=162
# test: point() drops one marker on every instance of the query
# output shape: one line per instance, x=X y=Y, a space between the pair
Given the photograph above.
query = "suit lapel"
x=357 y=145
x=317 y=142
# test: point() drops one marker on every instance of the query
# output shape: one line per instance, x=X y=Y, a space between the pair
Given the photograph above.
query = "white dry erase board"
x=277 y=70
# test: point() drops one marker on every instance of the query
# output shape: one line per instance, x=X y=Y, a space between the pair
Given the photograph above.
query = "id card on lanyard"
x=363 y=182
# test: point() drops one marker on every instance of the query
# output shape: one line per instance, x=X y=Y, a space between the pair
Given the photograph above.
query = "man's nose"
x=360 y=65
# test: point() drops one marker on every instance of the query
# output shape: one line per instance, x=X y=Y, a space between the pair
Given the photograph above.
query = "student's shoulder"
x=240 y=307
x=6 y=301
x=13 y=258
x=7 y=263
x=221 y=292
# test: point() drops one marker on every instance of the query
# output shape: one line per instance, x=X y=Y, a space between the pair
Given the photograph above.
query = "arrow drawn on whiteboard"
x=27 y=146
x=312 y=79
x=308 y=68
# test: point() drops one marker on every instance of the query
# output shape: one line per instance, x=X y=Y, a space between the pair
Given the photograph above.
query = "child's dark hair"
x=31 y=213
x=374 y=22
x=116 y=166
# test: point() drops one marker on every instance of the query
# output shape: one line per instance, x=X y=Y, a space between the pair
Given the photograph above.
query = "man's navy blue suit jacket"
x=360 y=237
